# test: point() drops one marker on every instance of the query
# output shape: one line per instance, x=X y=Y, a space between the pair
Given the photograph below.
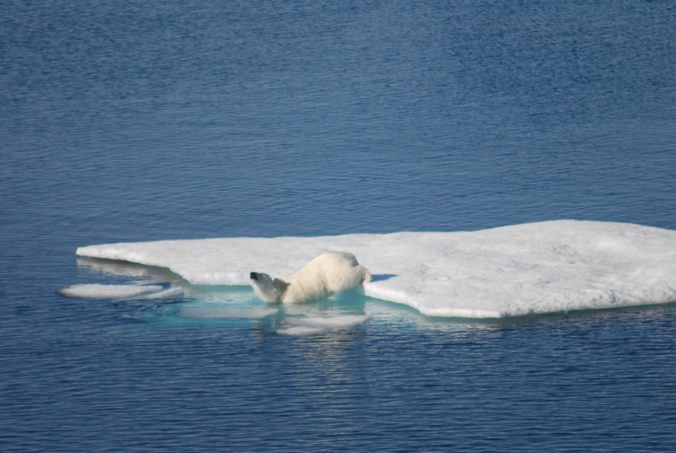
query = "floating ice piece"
x=318 y=325
x=509 y=271
x=97 y=291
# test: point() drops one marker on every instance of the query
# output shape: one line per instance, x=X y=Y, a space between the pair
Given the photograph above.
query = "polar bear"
x=324 y=275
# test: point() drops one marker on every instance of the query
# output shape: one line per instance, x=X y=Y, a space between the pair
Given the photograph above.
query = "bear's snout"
x=253 y=276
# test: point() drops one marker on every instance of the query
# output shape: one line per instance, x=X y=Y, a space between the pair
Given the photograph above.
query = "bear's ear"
x=279 y=284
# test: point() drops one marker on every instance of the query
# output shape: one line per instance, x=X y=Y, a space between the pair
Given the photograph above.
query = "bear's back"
x=325 y=274
x=335 y=259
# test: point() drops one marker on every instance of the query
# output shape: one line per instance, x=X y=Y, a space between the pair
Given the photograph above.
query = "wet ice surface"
x=99 y=291
x=214 y=311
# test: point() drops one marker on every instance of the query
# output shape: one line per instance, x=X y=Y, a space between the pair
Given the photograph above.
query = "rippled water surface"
x=134 y=121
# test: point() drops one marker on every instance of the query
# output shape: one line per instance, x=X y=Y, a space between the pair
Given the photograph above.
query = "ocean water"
x=136 y=121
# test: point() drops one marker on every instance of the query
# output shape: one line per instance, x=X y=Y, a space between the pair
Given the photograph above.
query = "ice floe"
x=508 y=271
x=98 y=291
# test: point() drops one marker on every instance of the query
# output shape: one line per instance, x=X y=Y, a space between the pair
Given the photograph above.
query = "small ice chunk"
x=98 y=291
x=319 y=325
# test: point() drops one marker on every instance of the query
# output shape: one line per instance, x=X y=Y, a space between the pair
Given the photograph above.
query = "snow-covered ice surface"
x=508 y=271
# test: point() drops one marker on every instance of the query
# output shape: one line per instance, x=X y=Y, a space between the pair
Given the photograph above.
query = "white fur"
x=324 y=275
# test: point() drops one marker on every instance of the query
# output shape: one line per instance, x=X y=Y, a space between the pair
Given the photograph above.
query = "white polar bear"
x=324 y=275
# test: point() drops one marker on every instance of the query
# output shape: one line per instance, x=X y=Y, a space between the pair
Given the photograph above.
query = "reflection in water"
x=302 y=326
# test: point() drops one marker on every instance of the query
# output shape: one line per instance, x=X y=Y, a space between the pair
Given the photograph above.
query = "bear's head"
x=269 y=289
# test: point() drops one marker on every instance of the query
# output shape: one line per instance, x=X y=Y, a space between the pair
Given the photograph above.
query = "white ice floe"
x=319 y=325
x=509 y=271
x=97 y=291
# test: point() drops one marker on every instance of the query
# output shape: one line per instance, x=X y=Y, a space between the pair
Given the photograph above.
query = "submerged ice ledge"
x=509 y=271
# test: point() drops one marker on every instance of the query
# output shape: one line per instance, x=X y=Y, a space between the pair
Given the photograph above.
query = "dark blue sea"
x=126 y=121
